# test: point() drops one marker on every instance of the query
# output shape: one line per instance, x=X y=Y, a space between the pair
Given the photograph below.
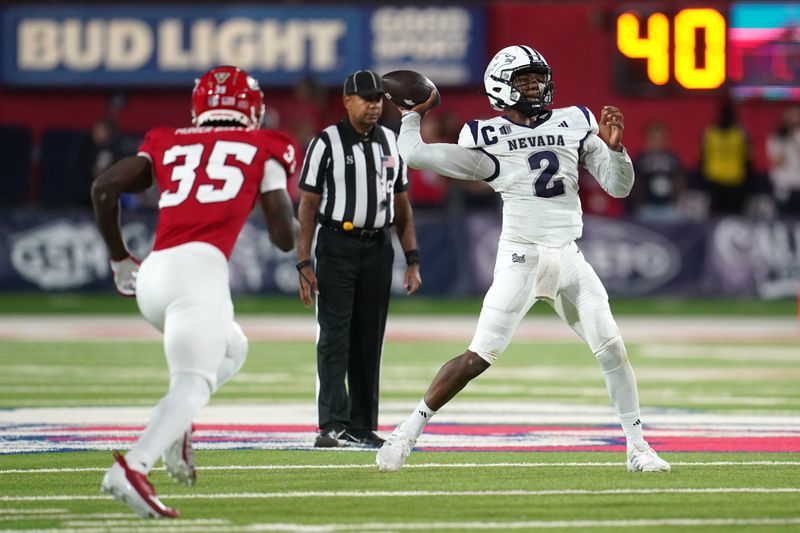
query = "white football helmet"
x=498 y=80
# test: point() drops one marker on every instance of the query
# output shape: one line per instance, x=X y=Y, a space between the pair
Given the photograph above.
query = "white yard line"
x=417 y=494
x=410 y=466
x=165 y=527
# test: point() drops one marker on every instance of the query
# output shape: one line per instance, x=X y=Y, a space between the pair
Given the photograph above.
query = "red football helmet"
x=227 y=94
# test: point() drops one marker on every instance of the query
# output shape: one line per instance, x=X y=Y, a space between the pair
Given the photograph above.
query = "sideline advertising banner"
x=730 y=257
x=160 y=45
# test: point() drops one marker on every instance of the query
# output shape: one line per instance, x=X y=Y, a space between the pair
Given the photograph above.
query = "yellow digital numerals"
x=693 y=69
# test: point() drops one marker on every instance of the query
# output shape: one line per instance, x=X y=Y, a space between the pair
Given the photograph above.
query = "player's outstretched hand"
x=425 y=106
x=612 y=125
x=125 y=271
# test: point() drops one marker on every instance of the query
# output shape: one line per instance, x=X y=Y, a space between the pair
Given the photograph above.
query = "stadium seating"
x=61 y=183
x=15 y=160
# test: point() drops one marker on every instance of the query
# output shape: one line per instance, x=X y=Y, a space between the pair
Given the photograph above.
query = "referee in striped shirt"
x=353 y=191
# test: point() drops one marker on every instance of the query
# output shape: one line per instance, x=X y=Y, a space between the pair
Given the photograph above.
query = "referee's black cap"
x=363 y=83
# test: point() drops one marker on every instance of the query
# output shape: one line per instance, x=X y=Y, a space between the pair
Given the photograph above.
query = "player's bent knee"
x=488 y=357
x=472 y=364
x=192 y=384
x=612 y=355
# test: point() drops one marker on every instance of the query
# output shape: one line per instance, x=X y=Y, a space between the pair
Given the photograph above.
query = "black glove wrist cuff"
x=412 y=257
x=302 y=264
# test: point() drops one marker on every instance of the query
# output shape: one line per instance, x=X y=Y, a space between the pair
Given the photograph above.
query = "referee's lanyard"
x=369 y=156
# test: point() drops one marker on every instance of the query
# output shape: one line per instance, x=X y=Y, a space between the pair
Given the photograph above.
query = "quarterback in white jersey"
x=537 y=171
x=531 y=156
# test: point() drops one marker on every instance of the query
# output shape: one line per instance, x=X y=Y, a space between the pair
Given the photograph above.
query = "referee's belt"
x=357 y=233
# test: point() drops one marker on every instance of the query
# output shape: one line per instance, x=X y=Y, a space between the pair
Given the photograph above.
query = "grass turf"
x=710 y=376
x=360 y=495
x=105 y=303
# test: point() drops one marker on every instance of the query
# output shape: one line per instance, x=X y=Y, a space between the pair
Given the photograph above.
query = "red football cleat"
x=134 y=490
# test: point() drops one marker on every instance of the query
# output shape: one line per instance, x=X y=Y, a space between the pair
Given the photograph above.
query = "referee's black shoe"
x=362 y=437
x=331 y=438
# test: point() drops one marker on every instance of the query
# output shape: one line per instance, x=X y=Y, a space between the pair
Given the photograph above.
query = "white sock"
x=632 y=427
x=235 y=355
x=621 y=385
x=414 y=424
x=188 y=393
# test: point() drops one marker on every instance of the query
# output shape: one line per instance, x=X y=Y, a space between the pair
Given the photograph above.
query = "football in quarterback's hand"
x=407 y=88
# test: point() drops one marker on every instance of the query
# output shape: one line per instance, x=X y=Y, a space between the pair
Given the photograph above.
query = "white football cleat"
x=179 y=459
x=134 y=490
x=642 y=458
x=394 y=451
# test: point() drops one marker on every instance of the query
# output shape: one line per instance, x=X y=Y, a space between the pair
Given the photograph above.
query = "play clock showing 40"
x=669 y=51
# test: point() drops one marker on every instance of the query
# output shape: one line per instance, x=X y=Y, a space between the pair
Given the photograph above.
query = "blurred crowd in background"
x=57 y=171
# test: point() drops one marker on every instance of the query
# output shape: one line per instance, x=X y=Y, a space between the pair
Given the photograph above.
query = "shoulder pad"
x=584 y=117
x=157 y=133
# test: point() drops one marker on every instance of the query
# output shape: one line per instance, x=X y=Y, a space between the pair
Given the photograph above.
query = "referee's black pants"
x=354 y=277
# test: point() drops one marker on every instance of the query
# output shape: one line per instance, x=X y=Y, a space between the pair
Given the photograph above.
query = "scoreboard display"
x=667 y=51
x=751 y=48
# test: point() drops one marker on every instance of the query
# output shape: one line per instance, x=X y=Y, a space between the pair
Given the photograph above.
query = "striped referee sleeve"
x=315 y=163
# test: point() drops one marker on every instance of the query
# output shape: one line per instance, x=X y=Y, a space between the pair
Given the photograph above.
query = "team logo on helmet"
x=227 y=95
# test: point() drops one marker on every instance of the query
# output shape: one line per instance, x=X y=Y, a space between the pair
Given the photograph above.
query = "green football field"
x=531 y=444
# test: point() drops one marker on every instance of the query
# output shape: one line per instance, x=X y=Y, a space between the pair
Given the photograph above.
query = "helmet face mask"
x=229 y=95
x=500 y=75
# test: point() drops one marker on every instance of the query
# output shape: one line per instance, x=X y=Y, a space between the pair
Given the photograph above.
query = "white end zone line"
x=410 y=466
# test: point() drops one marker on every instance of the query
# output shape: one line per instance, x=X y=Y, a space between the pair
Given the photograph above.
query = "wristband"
x=412 y=257
x=302 y=264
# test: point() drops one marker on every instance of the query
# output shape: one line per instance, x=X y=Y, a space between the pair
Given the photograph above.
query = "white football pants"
x=185 y=293
x=581 y=300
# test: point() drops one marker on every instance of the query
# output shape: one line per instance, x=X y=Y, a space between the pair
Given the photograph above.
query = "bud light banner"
x=127 y=45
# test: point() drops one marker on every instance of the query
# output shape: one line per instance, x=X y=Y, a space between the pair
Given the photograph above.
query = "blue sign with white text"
x=126 y=45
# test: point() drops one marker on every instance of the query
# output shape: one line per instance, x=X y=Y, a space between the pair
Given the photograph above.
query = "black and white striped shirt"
x=356 y=175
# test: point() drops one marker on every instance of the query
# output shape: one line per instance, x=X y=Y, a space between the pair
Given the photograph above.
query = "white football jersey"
x=537 y=171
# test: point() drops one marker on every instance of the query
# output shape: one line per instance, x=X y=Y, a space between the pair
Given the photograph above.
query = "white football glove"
x=125 y=275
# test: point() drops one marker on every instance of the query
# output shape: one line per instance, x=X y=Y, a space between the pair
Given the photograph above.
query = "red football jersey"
x=210 y=178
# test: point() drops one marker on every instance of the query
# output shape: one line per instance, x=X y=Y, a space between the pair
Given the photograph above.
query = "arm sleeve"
x=612 y=170
x=449 y=160
x=275 y=176
x=401 y=183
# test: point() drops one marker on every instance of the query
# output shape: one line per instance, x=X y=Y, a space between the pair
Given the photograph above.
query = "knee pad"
x=191 y=387
x=612 y=355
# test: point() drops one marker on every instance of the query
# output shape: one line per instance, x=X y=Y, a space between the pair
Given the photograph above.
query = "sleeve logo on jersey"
x=535 y=141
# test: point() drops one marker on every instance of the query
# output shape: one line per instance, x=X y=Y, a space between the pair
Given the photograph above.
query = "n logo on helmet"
x=221 y=77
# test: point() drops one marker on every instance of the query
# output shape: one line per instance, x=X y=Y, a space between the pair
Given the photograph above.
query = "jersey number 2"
x=544 y=186
x=216 y=169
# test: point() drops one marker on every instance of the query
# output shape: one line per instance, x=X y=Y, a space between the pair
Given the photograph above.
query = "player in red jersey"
x=210 y=177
